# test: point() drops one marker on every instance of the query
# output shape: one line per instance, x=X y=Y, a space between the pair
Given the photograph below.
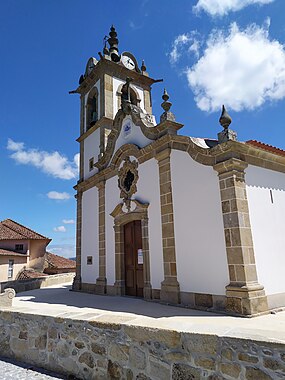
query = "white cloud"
x=223 y=7
x=76 y=159
x=65 y=250
x=186 y=42
x=14 y=146
x=59 y=229
x=179 y=41
x=58 y=196
x=53 y=163
x=195 y=47
x=68 y=221
x=241 y=69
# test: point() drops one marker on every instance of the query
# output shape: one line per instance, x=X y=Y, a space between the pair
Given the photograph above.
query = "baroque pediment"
x=133 y=126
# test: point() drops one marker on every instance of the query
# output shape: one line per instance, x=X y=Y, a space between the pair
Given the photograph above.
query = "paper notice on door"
x=140 y=256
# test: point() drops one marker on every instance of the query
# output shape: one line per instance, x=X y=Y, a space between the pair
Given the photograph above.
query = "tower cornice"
x=105 y=66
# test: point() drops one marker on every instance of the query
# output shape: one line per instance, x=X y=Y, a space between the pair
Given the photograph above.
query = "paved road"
x=13 y=370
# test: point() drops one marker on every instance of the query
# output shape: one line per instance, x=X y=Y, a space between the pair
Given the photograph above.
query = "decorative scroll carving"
x=127 y=181
x=7 y=297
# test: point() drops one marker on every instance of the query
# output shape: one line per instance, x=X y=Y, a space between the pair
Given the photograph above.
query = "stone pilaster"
x=170 y=289
x=106 y=108
x=245 y=295
x=147 y=101
x=147 y=291
x=101 y=281
x=108 y=96
x=77 y=279
x=82 y=113
x=119 y=261
x=82 y=121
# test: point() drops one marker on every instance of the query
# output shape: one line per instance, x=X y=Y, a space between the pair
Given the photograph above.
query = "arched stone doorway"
x=123 y=222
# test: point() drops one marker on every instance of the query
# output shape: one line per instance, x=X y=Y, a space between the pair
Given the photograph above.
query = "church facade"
x=168 y=217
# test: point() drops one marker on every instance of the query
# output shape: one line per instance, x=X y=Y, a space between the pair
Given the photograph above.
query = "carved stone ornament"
x=127 y=181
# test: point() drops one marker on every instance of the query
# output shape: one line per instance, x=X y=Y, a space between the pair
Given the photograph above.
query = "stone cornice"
x=231 y=150
x=103 y=121
x=233 y=164
x=105 y=66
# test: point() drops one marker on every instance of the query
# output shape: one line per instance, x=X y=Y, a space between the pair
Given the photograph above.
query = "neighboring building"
x=55 y=264
x=183 y=220
x=20 y=247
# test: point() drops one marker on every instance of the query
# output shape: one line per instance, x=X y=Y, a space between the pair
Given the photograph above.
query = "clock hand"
x=131 y=63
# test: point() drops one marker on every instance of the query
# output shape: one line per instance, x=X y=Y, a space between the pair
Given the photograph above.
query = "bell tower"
x=101 y=90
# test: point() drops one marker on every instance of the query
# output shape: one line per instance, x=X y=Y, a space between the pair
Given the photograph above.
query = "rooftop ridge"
x=7 y=223
x=267 y=147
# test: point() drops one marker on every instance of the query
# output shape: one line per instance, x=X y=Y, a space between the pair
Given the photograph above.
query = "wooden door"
x=133 y=258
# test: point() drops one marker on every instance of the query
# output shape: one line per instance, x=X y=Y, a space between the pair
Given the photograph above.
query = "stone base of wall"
x=200 y=301
x=37 y=283
x=108 y=350
x=276 y=301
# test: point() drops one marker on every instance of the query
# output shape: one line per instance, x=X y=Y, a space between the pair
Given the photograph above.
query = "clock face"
x=128 y=62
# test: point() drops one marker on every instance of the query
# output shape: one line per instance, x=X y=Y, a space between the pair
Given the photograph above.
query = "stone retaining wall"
x=105 y=350
x=37 y=283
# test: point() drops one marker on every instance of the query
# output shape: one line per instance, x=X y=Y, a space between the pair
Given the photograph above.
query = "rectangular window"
x=10 y=268
x=89 y=260
x=19 y=247
x=91 y=164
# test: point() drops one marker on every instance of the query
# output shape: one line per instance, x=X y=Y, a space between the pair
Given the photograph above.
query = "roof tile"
x=11 y=230
x=267 y=147
x=55 y=261
x=6 y=252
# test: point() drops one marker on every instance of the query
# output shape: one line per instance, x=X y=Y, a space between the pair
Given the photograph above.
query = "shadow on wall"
x=62 y=296
x=265 y=178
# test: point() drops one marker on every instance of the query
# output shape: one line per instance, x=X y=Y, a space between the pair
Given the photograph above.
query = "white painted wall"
x=89 y=237
x=91 y=149
x=97 y=85
x=131 y=134
x=199 y=232
x=148 y=192
x=267 y=224
x=116 y=83
x=112 y=195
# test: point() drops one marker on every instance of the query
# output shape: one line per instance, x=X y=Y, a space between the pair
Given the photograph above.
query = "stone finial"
x=143 y=66
x=166 y=105
x=113 y=42
x=225 y=121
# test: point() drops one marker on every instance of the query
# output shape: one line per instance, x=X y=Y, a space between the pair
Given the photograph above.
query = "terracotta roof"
x=6 y=252
x=268 y=148
x=27 y=274
x=10 y=230
x=55 y=261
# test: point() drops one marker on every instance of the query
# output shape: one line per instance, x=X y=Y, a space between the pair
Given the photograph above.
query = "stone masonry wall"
x=104 y=350
x=37 y=283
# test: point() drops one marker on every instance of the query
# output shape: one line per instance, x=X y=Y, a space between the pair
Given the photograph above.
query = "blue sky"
x=208 y=52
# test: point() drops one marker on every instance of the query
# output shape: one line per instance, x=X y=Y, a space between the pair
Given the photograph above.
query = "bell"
x=94 y=116
x=115 y=57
